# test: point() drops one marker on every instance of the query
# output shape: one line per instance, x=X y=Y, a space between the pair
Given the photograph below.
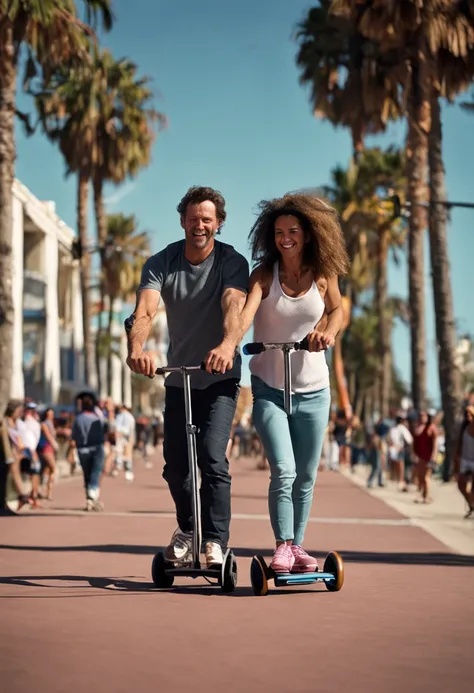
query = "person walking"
x=464 y=460
x=88 y=434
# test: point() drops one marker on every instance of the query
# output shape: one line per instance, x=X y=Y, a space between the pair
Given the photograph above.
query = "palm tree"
x=351 y=85
x=67 y=110
x=435 y=39
x=101 y=117
x=124 y=131
x=51 y=33
x=454 y=70
x=121 y=267
x=390 y=25
x=381 y=172
x=358 y=193
x=362 y=357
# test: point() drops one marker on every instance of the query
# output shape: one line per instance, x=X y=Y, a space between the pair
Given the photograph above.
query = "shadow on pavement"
x=441 y=559
x=117 y=585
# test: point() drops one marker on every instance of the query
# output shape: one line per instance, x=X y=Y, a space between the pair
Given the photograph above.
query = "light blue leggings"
x=293 y=447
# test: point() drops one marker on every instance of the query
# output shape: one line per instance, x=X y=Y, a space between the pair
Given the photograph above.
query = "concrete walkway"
x=443 y=519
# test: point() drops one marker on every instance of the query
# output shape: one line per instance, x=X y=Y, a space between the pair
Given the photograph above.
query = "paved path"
x=444 y=518
x=78 y=609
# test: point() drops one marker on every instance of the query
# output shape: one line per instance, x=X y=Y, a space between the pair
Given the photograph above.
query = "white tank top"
x=281 y=318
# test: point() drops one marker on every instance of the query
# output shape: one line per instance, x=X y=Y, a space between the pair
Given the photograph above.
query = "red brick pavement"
x=77 y=607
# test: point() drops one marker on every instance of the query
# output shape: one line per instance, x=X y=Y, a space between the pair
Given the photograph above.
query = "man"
x=204 y=286
x=88 y=434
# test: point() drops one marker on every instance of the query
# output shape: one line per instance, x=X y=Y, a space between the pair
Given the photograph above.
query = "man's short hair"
x=198 y=194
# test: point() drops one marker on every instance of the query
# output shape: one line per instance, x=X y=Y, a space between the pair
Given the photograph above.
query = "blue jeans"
x=92 y=463
x=293 y=446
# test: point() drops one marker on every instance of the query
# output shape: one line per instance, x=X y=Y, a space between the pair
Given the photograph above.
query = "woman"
x=298 y=247
x=47 y=448
x=425 y=448
x=14 y=449
x=464 y=461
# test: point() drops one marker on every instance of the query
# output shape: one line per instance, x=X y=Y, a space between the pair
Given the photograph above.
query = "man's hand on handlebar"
x=320 y=340
x=143 y=364
x=220 y=359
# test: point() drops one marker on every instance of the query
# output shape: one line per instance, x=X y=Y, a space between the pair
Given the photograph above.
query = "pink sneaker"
x=304 y=563
x=283 y=559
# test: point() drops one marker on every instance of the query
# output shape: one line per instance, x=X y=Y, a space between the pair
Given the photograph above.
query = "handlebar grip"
x=203 y=368
x=253 y=348
x=159 y=371
x=304 y=344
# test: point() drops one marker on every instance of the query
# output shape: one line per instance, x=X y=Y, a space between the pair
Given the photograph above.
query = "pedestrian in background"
x=88 y=434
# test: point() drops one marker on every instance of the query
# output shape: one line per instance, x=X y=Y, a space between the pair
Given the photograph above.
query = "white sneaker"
x=214 y=556
x=129 y=476
x=180 y=547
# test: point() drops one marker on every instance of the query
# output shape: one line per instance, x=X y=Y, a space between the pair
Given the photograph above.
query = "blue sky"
x=225 y=76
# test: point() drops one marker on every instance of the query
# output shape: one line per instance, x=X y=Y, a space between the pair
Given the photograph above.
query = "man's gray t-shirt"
x=192 y=296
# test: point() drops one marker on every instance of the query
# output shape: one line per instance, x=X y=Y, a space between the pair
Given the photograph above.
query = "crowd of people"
x=408 y=449
x=97 y=437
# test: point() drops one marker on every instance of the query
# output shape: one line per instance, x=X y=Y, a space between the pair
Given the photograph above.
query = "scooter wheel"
x=258 y=577
x=334 y=564
x=229 y=574
x=158 y=567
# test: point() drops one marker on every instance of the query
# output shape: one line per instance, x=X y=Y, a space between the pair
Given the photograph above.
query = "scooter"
x=260 y=573
x=163 y=572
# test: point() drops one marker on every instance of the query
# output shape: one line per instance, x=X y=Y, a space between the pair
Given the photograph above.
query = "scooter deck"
x=194 y=572
x=281 y=579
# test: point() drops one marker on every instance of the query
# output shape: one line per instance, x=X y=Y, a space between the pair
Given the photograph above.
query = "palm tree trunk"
x=381 y=291
x=359 y=406
x=82 y=195
x=98 y=339
x=109 y=352
x=100 y=216
x=7 y=168
x=417 y=161
x=358 y=140
x=449 y=377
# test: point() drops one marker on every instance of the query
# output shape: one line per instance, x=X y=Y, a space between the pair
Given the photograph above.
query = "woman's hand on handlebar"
x=320 y=340
x=220 y=359
x=143 y=364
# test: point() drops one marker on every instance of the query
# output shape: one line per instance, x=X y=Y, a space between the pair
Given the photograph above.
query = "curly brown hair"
x=198 y=194
x=326 y=252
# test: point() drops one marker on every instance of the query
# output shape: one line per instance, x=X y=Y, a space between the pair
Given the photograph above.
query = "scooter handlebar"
x=253 y=348
x=179 y=369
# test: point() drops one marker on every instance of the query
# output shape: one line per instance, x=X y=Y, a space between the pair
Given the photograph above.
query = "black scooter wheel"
x=229 y=574
x=258 y=577
x=158 y=567
x=334 y=564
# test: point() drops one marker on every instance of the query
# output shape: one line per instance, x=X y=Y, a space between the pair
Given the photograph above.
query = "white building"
x=48 y=335
x=465 y=362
